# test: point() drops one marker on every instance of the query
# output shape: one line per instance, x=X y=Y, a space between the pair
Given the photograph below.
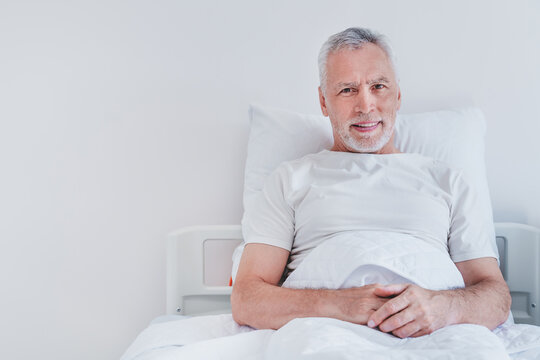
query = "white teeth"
x=367 y=125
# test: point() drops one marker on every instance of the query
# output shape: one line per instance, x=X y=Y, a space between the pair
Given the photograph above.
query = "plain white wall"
x=121 y=121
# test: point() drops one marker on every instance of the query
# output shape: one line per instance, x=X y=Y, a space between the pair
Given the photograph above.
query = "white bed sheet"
x=219 y=337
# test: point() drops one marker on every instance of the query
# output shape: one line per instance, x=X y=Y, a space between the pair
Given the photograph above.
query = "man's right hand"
x=258 y=301
x=357 y=304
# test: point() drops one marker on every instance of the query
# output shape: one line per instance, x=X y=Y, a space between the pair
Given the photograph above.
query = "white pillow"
x=455 y=137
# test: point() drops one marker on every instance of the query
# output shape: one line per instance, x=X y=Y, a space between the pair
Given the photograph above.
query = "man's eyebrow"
x=381 y=79
x=347 y=84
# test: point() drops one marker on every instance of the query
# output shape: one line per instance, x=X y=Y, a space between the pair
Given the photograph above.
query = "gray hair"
x=352 y=39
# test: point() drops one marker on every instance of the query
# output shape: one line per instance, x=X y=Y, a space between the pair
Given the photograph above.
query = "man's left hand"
x=413 y=312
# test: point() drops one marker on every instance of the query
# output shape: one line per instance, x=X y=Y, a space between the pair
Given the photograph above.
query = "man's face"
x=362 y=99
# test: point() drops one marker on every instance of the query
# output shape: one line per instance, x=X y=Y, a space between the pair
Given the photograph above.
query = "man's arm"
x=415 y=311
x=259 y=302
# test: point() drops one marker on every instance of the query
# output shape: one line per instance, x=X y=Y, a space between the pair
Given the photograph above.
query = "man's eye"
x=346 y=91
x=378 y=86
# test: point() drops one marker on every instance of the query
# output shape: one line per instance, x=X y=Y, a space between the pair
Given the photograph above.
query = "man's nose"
x=365 y=102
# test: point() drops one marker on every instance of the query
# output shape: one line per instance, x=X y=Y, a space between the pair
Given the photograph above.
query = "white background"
x=123 y=120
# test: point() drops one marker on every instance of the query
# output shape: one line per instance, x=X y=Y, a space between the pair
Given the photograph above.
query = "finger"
x=398 y=321
x=420 y=332
x=390 y=308
x=408 y=330
x=389 y=290
x=368 y=313
x=379 y=301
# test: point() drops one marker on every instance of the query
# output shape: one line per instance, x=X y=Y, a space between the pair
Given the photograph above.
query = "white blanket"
x=344 y=261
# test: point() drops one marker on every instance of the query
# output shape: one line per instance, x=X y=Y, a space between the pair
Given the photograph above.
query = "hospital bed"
x=202 y=260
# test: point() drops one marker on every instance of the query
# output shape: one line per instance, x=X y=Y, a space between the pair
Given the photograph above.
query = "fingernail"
x=371 y=323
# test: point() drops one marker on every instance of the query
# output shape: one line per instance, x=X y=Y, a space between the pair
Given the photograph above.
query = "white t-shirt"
x=307 y=201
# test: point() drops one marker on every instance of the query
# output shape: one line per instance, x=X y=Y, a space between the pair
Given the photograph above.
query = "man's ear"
x=399 y=99
x=322 y=101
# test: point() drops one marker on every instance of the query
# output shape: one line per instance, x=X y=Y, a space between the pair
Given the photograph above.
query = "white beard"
x=365 y=145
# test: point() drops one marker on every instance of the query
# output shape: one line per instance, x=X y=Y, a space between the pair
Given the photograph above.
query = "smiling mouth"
x=368 y=126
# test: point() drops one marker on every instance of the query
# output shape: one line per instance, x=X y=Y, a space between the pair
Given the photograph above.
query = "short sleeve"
x=472 y=232
x=269 y=219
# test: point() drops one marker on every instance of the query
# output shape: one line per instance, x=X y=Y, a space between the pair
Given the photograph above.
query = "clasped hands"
x=406 y=310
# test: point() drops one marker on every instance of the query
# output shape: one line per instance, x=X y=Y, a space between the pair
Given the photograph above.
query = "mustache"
x=366 y=118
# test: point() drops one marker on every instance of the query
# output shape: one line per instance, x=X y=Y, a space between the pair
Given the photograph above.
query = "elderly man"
x=364 y=183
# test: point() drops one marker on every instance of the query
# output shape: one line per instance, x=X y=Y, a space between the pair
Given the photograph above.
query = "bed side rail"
x=199 y=266
x=519 y=251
